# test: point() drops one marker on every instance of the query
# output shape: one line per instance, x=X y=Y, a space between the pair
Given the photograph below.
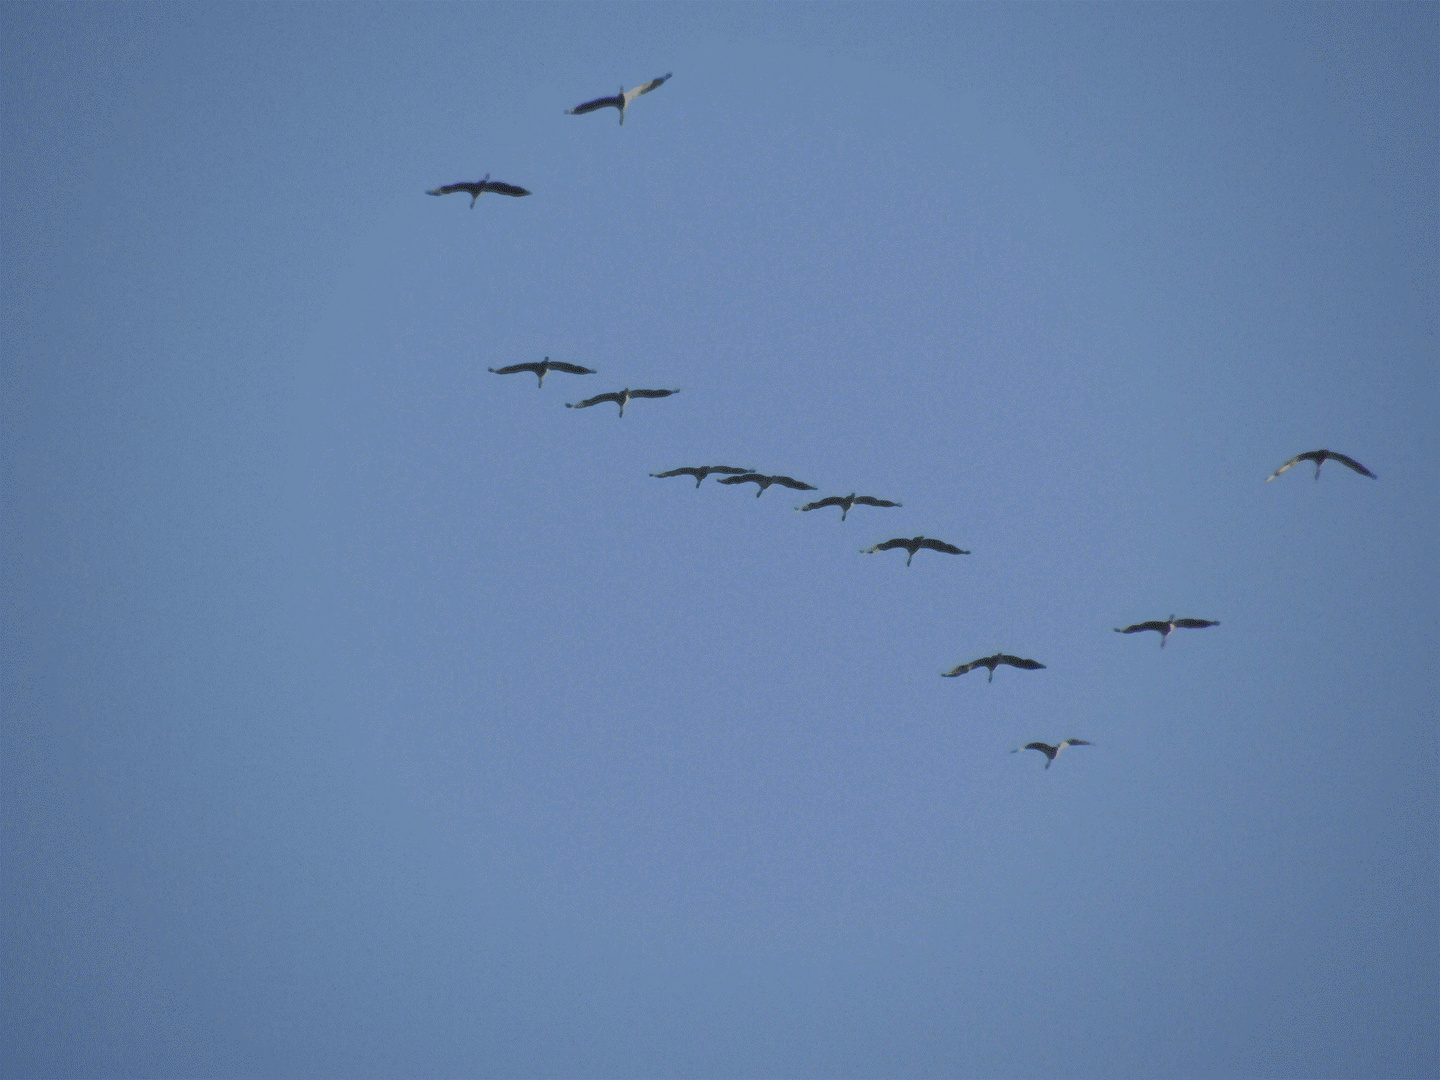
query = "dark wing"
x=962 y=669
x=1353 y=464
x=747 y=478
x=573 y=369
x=833 y=500
x=940 y=545
x=652 y=393
x=505 y=189
x=614 y=101
x=869 y=501
x=1044 y=748
x=1195 y=624
x=450 y=189
x=1077 y=742
x=1135 y=628
x=728 y=469
x=1309 y=455
x=615 y=397
x=686 y=471
x=513 y=368
x=791 y=482
x=899 y=541
x=651 y=85
x=1019 y=661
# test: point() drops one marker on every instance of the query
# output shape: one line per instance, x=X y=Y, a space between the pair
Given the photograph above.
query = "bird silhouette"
x=1164 y=626
x=914 y=545
x=765 y=481
x=478 y=187
x=619 y=101
x=544 y=366
x=1320 y=457
x=846 y=503
x=700 y=472
x=620 y=397
x=992 y=662
x=1050 y=751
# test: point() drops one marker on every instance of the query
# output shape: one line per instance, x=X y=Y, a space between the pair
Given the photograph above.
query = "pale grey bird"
x=1050 y=751
x=1320 y=457
x=620 y=101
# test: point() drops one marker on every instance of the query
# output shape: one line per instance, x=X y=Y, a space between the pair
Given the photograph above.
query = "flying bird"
x=846 y=503
x=992 y=662
x=621 y=100
x=1164 y=626
x=700 y=472
x=620 y=397
x=766 y=481
x=1320 y=457
x=1050 y=751
x=476 y=188
x=542 y=367
x=912 y=546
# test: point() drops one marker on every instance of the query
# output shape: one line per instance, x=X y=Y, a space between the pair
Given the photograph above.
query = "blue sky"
x=368 y=714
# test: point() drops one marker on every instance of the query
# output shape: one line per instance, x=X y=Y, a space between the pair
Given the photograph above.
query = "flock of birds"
x=732 y=475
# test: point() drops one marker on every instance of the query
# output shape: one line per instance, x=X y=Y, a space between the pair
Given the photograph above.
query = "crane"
x=846 y=503
x=1320 y=457
x=992 y=662
x=1050 y=751
x=620 y=397
x=619 y=101
x=1164 y=626
x=914 y=545
x=478 y=187
x=700 y=472
x=544 y=366
x=765 y=481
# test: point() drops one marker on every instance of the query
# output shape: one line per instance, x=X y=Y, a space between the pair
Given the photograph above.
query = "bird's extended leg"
x=991 y=676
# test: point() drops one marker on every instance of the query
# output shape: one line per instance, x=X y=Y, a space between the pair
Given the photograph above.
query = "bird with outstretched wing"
x=476 y=188
x=543 y=367
x=846 y=502
x=914 y=544
x=1320 y=457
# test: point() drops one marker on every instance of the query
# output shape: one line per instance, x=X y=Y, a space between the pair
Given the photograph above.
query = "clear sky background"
x=368 y=714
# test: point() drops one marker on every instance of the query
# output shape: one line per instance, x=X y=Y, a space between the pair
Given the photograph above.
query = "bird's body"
x=620 y=397
x=992 y=662
x=765 y=481
x=701 y=471
x=1164 y=626
x=915 y=544
x=544 y=366
x=1320 y=457
x=1050 y=751
x=846 y=503
x=478 y=187
x=620 y=101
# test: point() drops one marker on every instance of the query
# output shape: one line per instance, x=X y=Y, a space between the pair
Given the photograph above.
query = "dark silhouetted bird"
x=914 y=545
x=1050 y=751
x=846 y=503
x=700 y=472
x=542 y=367
x=1164 y=626
x=620 y=397
x=621 y=100
x=479 y=187
x=766 y=481
x=1320 y=457
x=992 y=662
